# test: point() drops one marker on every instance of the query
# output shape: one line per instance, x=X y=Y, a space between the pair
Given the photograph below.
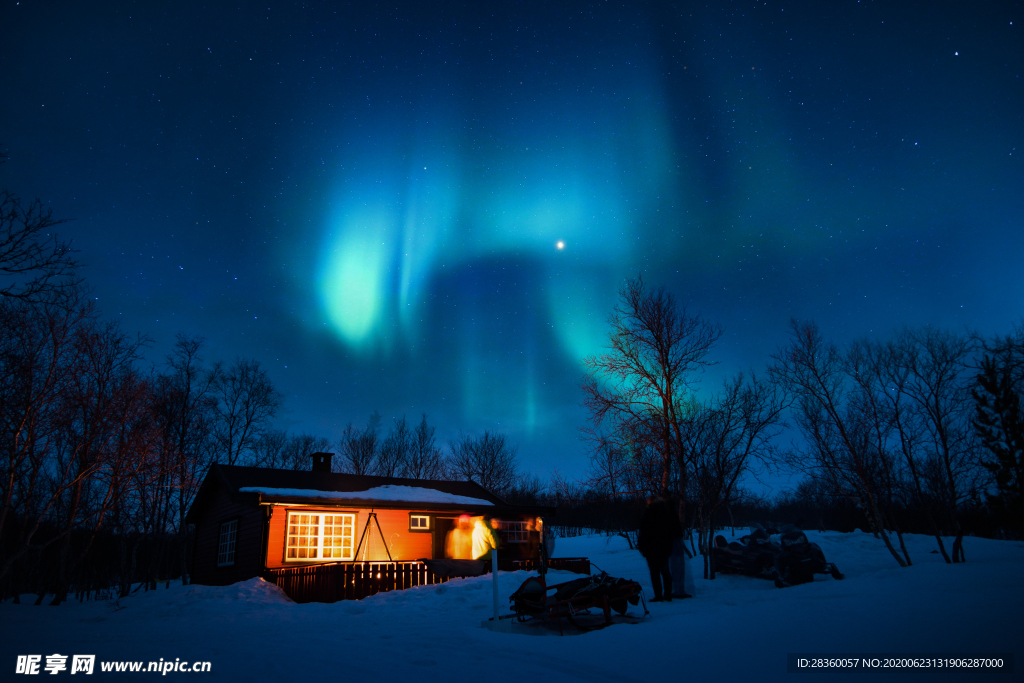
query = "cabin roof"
x=260 y=484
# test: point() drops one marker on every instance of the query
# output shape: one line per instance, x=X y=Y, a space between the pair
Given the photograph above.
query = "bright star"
x=559 y=245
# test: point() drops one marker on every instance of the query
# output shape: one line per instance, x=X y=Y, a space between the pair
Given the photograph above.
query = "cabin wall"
x=405 y=545
x=248 y=542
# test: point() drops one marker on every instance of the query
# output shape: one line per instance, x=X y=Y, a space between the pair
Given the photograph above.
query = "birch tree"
x=35 y=264
x=246 y=402
x=489 y=460
x=641 y=383
x=726 y=438
x=425 y=459
x=37 y=363
x=359 y=448
x=843 y=445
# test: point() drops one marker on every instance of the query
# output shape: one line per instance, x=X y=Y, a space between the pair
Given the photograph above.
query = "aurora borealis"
x=429 y=207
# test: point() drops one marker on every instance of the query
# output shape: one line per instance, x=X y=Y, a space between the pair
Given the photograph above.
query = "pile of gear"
x=788 y=561
x=575 y=599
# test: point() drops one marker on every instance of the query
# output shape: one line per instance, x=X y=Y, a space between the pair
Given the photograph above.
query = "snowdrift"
x=735 y=626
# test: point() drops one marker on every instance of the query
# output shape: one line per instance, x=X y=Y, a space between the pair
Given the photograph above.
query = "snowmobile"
x=790 y=561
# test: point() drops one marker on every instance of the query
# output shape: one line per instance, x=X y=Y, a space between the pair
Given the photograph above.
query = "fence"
x=580 y=565
x=349 y=580
x=356 y=580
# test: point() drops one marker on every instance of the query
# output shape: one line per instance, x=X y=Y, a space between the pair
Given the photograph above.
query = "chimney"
x=322 y=462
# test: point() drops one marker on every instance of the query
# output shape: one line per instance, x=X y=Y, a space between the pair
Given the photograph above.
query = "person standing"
x=659 y=526
x=483 y=539
x=459 y=542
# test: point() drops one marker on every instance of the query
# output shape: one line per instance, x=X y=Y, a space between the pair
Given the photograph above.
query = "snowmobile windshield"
x=793 y=538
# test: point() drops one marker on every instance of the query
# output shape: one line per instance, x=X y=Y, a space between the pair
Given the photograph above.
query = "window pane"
x=226 y=543
x=319 y=537
x=303 y=531
x=338 y=532
x=514 y=532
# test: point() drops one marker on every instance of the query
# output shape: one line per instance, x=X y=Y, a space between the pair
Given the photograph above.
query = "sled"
x=576 y=599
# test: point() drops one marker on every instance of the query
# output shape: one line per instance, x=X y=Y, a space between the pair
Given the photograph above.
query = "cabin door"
x=442 y=527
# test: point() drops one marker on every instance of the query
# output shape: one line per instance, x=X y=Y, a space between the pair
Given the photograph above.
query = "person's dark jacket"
x=659 y=526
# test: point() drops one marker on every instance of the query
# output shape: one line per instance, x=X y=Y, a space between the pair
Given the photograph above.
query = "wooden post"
x=494 y=570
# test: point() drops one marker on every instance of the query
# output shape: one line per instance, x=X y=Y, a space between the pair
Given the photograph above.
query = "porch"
x=336 y=581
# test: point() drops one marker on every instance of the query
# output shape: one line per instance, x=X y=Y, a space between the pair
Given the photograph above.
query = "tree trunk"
x=903 y=546
x=942 y=547
x=958 y=547
x=892 y=550
x=875 y=519
x=61 y=590
x=711 y=555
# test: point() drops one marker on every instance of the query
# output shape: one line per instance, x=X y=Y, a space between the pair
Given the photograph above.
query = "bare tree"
x=425 y=460
x=246 y=403
x=394 y=451
x=528 y=489
x=38 y=360
x=725 y=438
x=104 y=408
x=185 y=408
x=937 y=388
x=817 y=495
x=625 y=466
x=641 y=383
x=269 y=449
x=489 y=460
x=359 y=447
x=610 y=472
x=297 y=450
x=38 y=266
x=843 y=437
x=874 y=421
x=622 y=472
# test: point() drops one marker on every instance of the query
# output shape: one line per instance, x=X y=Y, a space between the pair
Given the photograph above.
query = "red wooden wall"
x=403 y=544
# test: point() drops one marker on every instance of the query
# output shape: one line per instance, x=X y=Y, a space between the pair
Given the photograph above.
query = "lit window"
x=226 y=544
x=419 y=522
x=339 y=532
x=316 y=536
x=514 y=532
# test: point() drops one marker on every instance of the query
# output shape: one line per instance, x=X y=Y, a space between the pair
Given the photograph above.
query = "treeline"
x=102 y=457
x=402 y=451
x=920 y=432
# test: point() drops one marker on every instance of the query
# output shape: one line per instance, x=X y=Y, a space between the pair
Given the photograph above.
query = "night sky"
x=429 y=207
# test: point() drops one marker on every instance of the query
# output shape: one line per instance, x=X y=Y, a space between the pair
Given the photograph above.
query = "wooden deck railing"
x=580 y=565
x=349 y=580
x=356 y=580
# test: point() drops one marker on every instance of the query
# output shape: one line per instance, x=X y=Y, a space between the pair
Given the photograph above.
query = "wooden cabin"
x=252 y=521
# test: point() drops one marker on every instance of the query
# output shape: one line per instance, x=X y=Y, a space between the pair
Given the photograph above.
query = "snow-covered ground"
x=735 y=626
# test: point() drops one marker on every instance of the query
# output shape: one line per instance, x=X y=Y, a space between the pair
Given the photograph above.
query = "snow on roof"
x=410 y=494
